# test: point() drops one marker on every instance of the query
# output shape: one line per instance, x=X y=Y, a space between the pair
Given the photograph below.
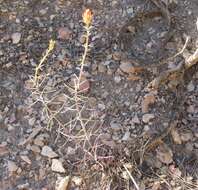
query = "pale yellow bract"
x=87 y=17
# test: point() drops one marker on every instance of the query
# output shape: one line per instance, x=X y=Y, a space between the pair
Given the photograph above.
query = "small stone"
x=62 y=183
x=125 y=175
x=57 y=166
x=146 y=128
x=16 y=37
x=10 y=127
x=135 y=120
x=43 y=11
x=191 y=109
x=48 y=152
x=186 y=136
x=39 y=142
x=126 y=136
x=25 y=159
x=156 y=185
x=176 y=136
x=31 y=121
x=117 y=79
x=102 y=68
x=147 y=117
x=35 y=149
x=191 y=87
x=12 y=167
x=64 y=33
x=3 y=149
x=117 y=56
x=70 y=150
x=77 y=180
x=115 y=126
x=23 y=186
x=126 y=66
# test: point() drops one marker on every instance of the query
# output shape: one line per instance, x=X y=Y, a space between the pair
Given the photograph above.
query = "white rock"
x=16 y=37
x=147 y=117
x=117 y=79
x=48 y=152
x=126 y=136
x=57 y=166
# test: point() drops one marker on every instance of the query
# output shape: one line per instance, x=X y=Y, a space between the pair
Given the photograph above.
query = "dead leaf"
x=148 y=100
x=164 y=154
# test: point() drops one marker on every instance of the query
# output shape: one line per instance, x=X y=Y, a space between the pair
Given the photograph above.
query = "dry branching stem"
x=38 y=68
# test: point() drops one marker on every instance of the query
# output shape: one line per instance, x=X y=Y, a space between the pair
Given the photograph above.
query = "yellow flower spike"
x=51 y=45
x=87 y=17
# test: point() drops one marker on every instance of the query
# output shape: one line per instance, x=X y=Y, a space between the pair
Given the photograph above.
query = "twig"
x=131 y=177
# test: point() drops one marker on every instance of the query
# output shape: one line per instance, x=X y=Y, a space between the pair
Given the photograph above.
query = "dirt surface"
x=40 y=146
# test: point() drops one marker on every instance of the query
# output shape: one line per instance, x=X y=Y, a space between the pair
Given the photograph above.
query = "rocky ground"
x=44 y=142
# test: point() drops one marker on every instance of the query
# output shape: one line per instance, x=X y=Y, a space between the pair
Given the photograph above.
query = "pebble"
x=3 y=149
x=26 y=159
x=102 y=68
x=57 y=166
x=35 y=149
x=70 y=150
x=62 y=183
x=146 y=128
x=135 y=120
x=186 y=136
x=77 y=180
x=176 y=136
x=191 y=87
x=147 y=117
x=115 y=126
x=16 y=37
x=117 y=79
x=31 y=121
x=12 y=167
x=191 y=109
x=126 y=136
x=64 y=33
x=39 y=142
x=126 y=66
x=48 y=152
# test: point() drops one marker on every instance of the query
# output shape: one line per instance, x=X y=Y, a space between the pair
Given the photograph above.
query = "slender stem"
x=86 y=45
